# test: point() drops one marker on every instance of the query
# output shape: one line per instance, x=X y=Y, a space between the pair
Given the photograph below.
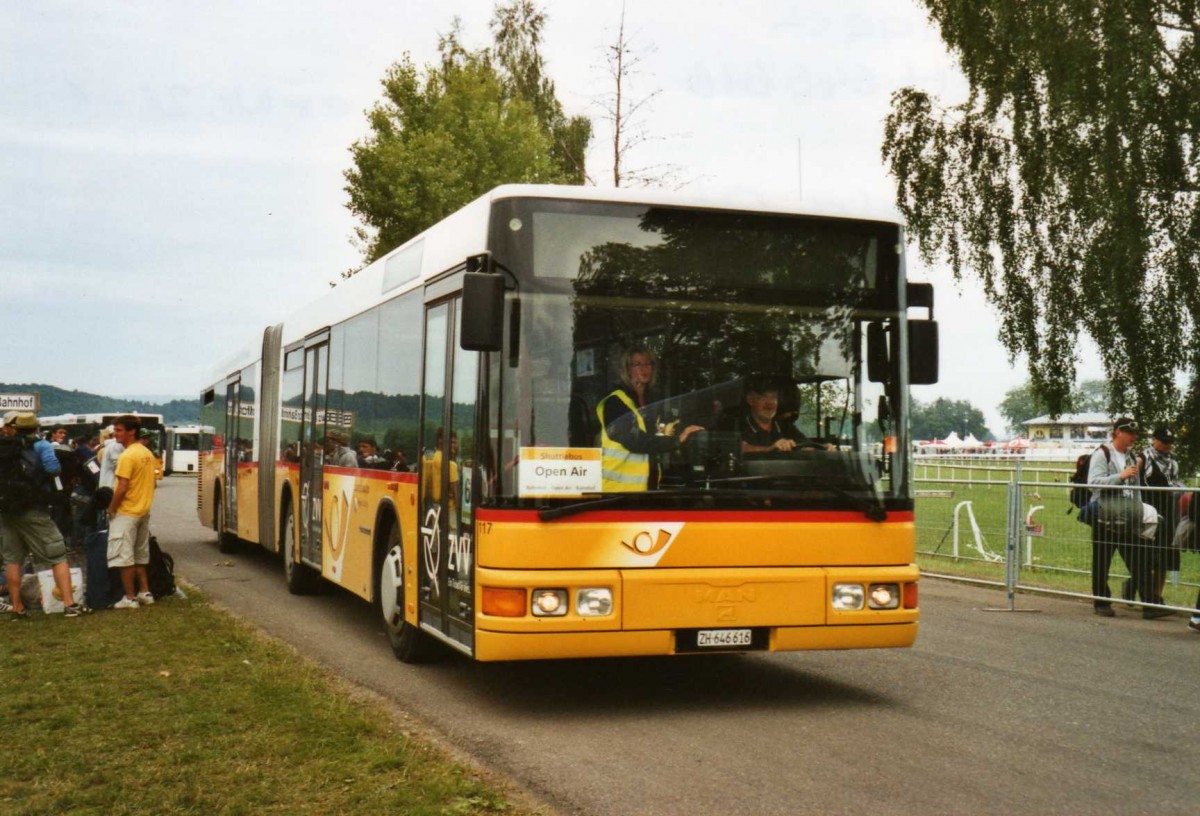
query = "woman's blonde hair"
x=627 y=364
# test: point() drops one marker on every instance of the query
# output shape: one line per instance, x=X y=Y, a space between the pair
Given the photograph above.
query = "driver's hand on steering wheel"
x=783 y=445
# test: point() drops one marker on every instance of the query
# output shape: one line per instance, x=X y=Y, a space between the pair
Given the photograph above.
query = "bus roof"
x=450 y=241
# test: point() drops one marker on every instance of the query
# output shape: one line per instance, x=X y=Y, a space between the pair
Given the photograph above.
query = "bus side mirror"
x=877 y=353
x=922 y=352
x=482 y=322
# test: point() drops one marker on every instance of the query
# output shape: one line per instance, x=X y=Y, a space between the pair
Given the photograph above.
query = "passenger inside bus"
x=631 y=435
x=369 y=457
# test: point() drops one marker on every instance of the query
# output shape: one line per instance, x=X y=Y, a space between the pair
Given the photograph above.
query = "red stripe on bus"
x=368 y=473
x=738 y=516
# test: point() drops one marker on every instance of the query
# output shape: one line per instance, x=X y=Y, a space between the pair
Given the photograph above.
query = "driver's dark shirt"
x=753 y=435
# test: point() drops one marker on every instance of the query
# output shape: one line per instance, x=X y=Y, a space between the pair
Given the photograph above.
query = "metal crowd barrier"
x=1023 y=534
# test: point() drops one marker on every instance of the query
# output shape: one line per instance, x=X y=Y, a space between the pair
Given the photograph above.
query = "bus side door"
x=312 y=452
x=232 y=453
x=446 y=567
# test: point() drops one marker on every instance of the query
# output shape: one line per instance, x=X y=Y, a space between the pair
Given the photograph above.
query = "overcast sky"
x=172 y=174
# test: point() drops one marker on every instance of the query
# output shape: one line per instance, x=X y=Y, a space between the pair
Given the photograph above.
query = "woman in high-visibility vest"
x=628 y=436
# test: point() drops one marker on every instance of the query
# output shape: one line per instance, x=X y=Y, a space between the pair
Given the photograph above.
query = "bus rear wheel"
x=300 y=578
x=409 y=643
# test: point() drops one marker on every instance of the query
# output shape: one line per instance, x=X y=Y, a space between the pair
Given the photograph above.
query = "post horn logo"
x=647 y=543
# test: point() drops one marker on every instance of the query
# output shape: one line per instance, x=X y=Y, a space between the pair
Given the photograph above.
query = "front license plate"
x=722 y=638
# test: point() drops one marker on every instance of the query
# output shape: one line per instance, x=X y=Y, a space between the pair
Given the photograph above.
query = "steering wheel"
x=810 y=444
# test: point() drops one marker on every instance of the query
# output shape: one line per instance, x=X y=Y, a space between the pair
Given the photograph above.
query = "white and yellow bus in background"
x=427 y=434
x=181 y=452
x=90 y=425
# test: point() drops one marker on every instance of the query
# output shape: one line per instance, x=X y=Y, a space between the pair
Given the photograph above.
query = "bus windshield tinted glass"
x=662 y=253
x=701 y=353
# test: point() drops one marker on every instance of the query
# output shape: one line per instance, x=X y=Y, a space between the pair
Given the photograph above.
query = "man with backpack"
x=1118 y=520
x=28 y=468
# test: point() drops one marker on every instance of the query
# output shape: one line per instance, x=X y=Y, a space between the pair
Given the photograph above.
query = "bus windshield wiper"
x=872 y=509
x=564 y=510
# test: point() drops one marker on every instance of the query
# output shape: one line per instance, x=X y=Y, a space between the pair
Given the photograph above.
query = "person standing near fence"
x=1116 y=527
x=1160 y=469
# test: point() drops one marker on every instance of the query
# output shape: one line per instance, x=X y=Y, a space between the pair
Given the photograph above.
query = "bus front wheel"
x=409 y=643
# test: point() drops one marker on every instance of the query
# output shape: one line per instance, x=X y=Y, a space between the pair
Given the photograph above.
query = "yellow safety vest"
x=620 y=468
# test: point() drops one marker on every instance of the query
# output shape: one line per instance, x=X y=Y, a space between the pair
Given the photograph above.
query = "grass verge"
x=178 y=708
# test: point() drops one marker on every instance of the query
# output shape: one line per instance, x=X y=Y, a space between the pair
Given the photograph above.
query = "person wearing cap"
x=1116 y=528
x=337 y=453
x=1161 y=469
x=761 y=428
x=33 y=532
x=9 y=416
x=129 y=514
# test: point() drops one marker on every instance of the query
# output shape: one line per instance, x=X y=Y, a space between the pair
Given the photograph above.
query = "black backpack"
x=1082 y=494
x=160 y=572
x=22 y=480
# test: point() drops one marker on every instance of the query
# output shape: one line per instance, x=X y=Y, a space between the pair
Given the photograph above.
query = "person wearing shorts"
x=33 y=532
x=129 y=514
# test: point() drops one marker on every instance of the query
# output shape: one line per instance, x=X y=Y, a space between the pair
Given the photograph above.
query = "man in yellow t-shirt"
x=129 y=514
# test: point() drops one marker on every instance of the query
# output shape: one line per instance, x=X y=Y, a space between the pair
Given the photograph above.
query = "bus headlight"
x=593 y=602
x=847 y=596
x=884 y=596
x=549 y=603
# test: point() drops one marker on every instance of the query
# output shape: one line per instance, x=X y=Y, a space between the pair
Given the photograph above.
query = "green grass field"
x=177 y=708
x=1061 y=555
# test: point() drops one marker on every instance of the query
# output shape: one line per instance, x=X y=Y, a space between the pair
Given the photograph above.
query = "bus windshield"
x=746 y=328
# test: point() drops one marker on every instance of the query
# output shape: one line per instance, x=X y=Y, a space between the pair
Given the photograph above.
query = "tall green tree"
x=447 y=133
x=517 y=30
x=1068 y=183
x=936 y=419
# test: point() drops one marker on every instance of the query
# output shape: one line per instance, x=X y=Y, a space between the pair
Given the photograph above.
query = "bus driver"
x=762 y=431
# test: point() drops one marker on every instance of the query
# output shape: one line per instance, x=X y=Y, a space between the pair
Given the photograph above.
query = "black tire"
x=300 y=578
x=409 y=644
x=226 y=542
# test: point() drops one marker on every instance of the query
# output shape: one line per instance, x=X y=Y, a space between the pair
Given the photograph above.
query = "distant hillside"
x=59 y=401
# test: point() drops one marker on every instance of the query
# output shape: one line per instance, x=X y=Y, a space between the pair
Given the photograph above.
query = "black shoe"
x=1194 y=625
x=1104 y=610
x=1150 y=613
x=1127 y=589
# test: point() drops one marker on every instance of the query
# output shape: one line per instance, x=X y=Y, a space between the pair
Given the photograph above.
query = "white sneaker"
x=145 y=598
x=127 y=603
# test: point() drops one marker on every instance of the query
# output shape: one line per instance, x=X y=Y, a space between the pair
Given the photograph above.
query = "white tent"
x=953 y=440
x=971 y=442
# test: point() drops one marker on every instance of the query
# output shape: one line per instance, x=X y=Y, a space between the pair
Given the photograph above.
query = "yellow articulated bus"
x=571 y=422
x=91 y=424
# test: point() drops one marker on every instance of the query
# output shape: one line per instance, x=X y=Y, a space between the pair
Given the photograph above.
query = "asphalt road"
x=991 y=712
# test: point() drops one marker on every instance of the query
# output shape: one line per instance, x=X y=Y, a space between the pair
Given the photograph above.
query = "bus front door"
x=446 y=568
x=232 y=454
x=312 y=457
